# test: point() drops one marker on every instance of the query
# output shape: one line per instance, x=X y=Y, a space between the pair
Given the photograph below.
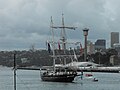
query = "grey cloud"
x=23 y=22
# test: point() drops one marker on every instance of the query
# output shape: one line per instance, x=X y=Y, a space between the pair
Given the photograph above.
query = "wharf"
x=28 y=68
x=85 y=69
x=100 y=69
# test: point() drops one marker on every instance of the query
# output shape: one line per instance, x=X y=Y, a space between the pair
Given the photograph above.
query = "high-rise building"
x=114 y=38
x=100 y=44
x=90 y=47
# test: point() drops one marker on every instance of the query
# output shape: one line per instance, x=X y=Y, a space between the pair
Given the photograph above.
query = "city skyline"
x=27 y=22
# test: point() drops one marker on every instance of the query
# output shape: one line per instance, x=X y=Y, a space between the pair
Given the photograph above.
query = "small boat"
x=95 y=80
x=88 y=75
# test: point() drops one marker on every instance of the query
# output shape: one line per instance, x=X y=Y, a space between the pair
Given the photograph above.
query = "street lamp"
x=85 y=32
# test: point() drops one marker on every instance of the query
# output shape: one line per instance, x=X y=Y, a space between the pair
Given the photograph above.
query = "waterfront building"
x=24 y=60
x=100 y=44
x=114 y=38
x=90 y=47
x=116 y=46
x=114 y=60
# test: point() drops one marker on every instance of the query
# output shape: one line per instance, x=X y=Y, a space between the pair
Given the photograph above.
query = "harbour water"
x=30 y=80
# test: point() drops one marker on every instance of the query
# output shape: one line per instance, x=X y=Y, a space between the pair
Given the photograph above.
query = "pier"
x=100 y=69
x=84 y=69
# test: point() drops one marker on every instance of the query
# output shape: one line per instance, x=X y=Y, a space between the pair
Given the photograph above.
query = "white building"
x=24 y=60
x=114 y=60
x=117 y=46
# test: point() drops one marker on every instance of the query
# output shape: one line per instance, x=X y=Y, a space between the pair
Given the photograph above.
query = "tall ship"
x=61 y=73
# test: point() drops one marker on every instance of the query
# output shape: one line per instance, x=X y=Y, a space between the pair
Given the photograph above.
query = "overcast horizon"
x=24 y=23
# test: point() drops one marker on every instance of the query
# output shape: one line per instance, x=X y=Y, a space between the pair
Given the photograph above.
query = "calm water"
x=30 y=80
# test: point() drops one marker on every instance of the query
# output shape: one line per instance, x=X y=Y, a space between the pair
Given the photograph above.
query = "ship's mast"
x=63 y=34
x=53 y=44
x=63 y=38
x=63 y=27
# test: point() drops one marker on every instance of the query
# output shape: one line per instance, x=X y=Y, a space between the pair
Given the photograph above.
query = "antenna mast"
x=14 y=71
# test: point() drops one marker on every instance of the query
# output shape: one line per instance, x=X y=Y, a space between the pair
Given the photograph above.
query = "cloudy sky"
x=26 y=22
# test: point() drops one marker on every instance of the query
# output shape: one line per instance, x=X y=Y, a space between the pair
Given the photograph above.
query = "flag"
x=75 y=57
x=81 y=49
x=80 y=46
x=46 y=44
x=49 y=49
x=59 y=46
